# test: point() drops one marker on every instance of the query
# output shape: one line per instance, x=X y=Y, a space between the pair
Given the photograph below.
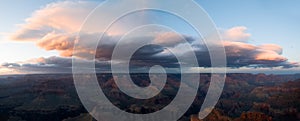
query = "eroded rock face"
x=253 y=116
x=246 y=97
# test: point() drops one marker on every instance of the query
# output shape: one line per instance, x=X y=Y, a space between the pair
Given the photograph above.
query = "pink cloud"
x=168 y=39
x=269 y=56
x=63 y=17
x=237 y=48
x=271 y=47
x=53 y=41
x=236 y=34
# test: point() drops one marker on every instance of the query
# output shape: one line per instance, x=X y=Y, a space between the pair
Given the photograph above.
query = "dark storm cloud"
x=238 y=54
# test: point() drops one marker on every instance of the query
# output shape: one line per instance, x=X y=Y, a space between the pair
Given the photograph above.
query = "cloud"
x=241 y=54
x=170 y=39
x=60 y=42
x=11 y=65
x=62 y=17
x=236 y=34
x=39 y=65
x=52 y=64
x=272 y=47
x=55 y=27
x=53 y=61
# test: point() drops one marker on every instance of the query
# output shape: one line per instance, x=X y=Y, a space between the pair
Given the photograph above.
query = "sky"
x=38 y=36
x=269 y=21
x=14 y=13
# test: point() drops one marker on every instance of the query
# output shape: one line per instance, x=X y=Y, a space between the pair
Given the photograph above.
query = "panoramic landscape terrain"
x=246 y=97
x=140 y=60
